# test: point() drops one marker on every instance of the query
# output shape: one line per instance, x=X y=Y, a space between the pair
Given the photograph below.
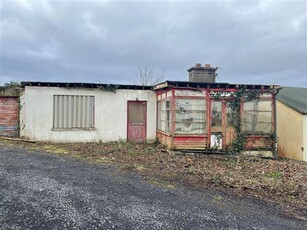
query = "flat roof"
x=294 y=97
x=173 y=84
x=84 y=85
x=163 y=85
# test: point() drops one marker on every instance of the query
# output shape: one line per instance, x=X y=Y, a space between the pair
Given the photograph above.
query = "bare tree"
x=146 y=74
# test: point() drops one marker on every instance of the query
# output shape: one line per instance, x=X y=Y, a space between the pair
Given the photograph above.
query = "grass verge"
x=280 y=181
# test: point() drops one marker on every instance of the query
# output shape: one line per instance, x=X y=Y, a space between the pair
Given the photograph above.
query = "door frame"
x=145 y=114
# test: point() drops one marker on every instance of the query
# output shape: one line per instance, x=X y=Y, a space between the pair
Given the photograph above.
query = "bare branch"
x=146 y=74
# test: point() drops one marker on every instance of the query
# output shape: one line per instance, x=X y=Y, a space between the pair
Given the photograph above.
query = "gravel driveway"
x=44 y=191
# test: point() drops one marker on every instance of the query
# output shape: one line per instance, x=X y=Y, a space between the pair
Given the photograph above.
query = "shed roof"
x=84 y=85
x=294 y=97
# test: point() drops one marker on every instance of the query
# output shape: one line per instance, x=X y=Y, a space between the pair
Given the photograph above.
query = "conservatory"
x=220 y=116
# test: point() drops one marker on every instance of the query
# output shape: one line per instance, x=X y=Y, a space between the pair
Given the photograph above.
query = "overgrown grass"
x=280 y=181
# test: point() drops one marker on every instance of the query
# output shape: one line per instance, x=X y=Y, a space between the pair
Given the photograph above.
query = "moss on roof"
x=294 y=97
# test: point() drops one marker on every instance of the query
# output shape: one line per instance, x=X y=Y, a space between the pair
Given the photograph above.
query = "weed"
x=275 y=175
x=161 y=183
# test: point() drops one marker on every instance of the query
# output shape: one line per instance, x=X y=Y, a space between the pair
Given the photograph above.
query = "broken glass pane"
x=190 y=116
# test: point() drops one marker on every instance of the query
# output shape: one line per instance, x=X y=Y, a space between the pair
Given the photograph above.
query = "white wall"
x=36 y=118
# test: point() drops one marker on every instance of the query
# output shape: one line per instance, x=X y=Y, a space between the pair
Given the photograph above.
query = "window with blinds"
x=73 y=112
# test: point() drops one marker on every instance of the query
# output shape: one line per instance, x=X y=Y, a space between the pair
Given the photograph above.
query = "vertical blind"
x=73 y=111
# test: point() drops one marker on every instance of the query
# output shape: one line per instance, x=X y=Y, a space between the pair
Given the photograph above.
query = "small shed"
x=85 y=112
x=203 y=114
x=292 y=123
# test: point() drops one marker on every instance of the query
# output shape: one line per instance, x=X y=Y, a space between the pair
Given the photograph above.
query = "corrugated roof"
x=294 y=97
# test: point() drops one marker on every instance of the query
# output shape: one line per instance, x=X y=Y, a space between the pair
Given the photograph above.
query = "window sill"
x=73 y=129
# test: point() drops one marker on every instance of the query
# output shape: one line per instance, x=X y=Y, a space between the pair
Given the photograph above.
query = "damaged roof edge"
x=84 y=85
x=214 y=85
x=163 y=85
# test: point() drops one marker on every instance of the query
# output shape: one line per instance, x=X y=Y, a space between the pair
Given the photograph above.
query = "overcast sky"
x=252 y=42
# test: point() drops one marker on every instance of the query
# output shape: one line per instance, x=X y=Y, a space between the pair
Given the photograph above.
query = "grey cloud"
x=262 y=42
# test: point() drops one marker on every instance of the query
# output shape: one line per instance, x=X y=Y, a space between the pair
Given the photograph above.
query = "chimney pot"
x=207 y=65
x=198 y=65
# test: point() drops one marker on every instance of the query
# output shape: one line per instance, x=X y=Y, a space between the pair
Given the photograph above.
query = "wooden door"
x=217 y=122
x=137 y=116
x=222 y=127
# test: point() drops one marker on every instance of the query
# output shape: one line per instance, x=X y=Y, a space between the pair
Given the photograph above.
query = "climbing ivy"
x=234 y=102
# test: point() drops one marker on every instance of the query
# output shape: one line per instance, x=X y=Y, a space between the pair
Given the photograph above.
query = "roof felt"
x=172 y=84
x=84 y=85
x=295 y=98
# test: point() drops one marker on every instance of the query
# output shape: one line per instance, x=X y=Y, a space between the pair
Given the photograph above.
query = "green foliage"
x=11 y=84
x=110 y=88
x=234 y=102
x=275 y=175
x=238 y=144
x=217 y=95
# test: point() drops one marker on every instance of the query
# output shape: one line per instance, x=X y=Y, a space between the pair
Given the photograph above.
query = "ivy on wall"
x=234 y=102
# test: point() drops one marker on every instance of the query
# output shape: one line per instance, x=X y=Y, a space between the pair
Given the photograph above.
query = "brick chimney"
x=200 y=73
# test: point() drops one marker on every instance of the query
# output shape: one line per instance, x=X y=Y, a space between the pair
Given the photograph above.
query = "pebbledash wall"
x=110 y=114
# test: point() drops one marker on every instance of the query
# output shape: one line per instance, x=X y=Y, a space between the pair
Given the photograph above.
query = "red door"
x=137 y=112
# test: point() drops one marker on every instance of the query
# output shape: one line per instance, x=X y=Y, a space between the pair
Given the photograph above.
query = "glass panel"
x=136 y=113
x=264 y=127
x=265 y=117
x=164 y=116
x=257 y=117
x=162 y=126
x=264 y=122
x=250 y=105
x=163 y=107
x=190 y=116
x=159 y=115
x=265 y=106
x=168 y=121
x=216 y=112
x=250 y=120
x=167 y=105
x=231 y=117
